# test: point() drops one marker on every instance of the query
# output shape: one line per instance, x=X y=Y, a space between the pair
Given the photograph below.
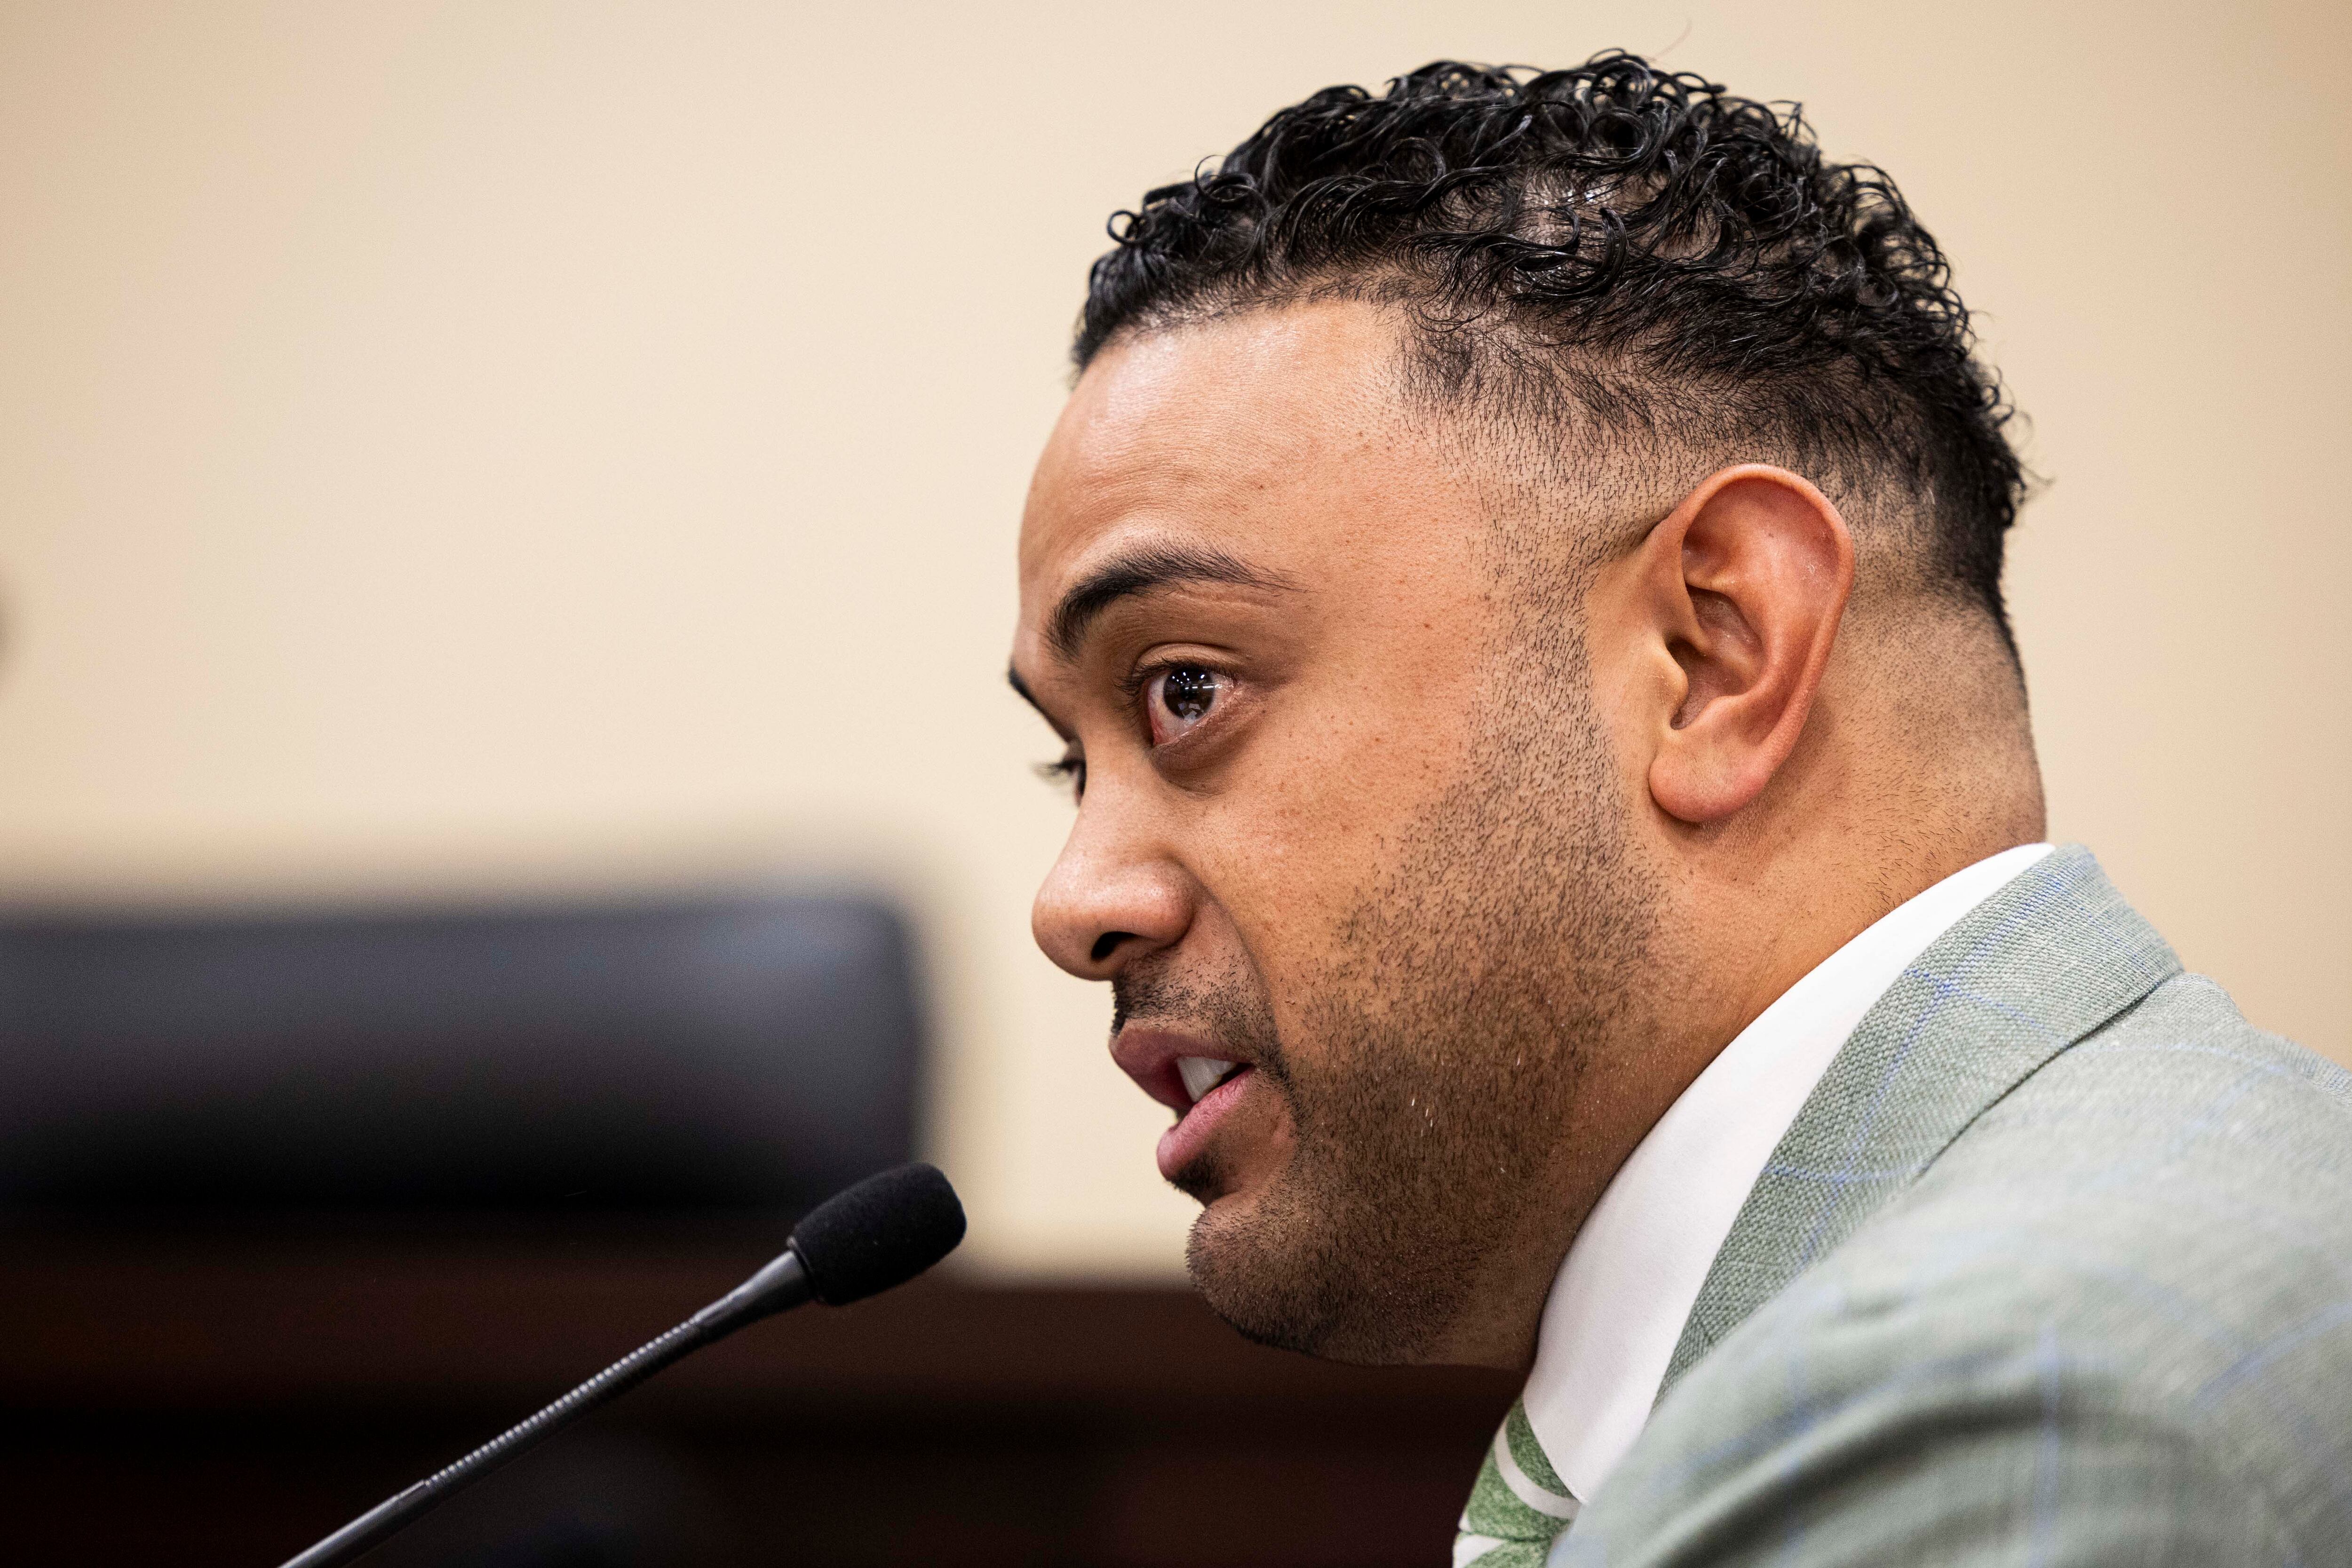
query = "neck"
x=1859 y=820
x=1758 y=916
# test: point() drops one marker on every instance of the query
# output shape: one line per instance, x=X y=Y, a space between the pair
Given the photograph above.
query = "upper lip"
x=1148 y=1054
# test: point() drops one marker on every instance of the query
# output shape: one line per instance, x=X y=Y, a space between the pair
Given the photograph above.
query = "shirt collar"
x=1617 y=1305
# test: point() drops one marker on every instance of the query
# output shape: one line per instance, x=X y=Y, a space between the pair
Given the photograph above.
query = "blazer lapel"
x=2043 y=962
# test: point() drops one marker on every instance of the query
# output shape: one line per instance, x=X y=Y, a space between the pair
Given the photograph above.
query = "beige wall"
x=454 y=448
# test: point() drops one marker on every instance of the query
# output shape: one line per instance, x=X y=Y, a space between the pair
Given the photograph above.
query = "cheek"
x=1295 y=851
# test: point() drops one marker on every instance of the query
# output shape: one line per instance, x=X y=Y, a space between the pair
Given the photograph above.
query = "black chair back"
x=739 y=1052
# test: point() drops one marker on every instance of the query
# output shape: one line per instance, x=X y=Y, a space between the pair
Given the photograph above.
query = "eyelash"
x=1132 y=685
x=1072 y=769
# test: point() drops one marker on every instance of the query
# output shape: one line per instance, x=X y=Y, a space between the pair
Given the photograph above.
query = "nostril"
x=1107 y=943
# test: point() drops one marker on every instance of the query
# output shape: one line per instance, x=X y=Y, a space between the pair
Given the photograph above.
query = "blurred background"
x=506 y=523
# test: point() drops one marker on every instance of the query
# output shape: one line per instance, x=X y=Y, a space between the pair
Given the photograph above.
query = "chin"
x=1277 y=1269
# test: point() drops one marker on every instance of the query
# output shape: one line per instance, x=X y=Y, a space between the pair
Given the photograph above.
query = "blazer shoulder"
x=1907 y=1403
x=2167 y=1205
x=2119 y=1302
x=2176 y=1112
x=2178 y=1037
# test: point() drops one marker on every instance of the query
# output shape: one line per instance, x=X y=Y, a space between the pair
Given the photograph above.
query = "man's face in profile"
x=1351 y=843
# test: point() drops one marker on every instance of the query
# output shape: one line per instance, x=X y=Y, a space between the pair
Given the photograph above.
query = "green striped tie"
x=1518 y=1506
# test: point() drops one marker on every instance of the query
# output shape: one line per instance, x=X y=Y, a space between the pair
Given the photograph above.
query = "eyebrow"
x=1013 y=676
x=1145 y=570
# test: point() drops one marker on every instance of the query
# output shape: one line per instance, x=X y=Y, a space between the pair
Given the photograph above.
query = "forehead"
x=1278 y=437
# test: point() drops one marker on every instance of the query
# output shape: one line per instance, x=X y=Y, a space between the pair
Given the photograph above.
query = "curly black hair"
x=1680 y=262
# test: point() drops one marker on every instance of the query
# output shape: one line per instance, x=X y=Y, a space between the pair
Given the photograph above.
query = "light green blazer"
x=2054 y=1267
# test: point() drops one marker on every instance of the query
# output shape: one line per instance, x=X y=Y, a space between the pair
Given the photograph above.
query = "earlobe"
x=1746 y=582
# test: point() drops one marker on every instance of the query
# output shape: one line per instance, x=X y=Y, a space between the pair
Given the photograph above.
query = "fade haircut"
x=1630 y=253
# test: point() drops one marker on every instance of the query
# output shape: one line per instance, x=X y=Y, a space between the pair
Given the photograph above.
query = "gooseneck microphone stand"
x=880 y=1233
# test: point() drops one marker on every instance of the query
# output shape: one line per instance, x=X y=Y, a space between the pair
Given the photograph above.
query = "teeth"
x=1201 y=1074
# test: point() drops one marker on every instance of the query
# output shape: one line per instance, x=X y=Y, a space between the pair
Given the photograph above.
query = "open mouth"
x=1205 y=1073
x=1212 y=1087
x=1175 y=1068
x=1201 y=1074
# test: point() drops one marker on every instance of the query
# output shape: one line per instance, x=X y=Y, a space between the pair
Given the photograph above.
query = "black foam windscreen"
x=880 y=1233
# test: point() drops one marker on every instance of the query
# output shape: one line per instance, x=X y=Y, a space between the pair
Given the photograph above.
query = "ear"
x=1742 y=587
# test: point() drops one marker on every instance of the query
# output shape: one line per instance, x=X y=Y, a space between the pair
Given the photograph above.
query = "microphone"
x=880 y=1233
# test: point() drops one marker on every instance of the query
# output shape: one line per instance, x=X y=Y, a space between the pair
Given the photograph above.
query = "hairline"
x=1546 y=398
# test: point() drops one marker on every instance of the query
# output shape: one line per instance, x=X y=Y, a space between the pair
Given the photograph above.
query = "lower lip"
x=1182 y=1144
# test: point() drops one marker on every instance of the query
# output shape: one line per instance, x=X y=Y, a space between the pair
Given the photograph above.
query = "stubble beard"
x=1437 y=1057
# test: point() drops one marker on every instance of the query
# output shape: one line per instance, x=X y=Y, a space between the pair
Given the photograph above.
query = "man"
x=1518 y=581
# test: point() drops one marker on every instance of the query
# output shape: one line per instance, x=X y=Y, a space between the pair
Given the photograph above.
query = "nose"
x=1109 y=900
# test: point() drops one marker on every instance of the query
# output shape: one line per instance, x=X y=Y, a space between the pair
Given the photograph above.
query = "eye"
x=1069 y=768
x=1177 y=698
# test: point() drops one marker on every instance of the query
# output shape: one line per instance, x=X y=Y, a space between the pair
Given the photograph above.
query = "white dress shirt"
x=1618 y=1304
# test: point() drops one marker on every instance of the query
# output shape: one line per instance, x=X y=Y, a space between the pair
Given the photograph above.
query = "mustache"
x=1154 y=991
x=1232 y=1010
x=1139 y=994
